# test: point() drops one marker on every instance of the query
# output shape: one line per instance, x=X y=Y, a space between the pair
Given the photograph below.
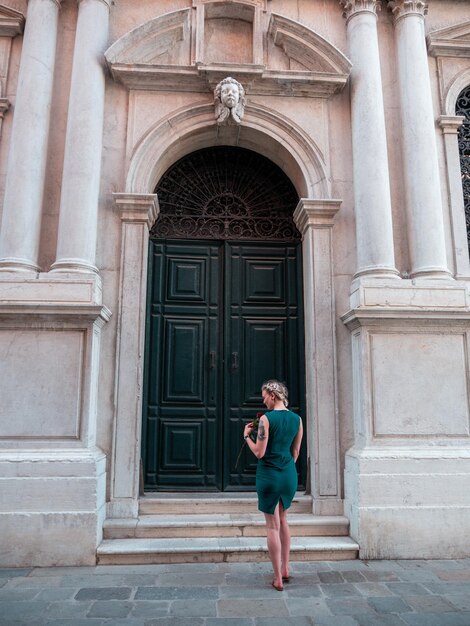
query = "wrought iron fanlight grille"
x=463 y=108
x=226 y=192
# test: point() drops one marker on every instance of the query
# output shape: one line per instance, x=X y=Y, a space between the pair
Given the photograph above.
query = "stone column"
x=314 y=219
x=450 y=125
x=374 y=230
x=76 y=245
x=421 y=169
x=26 y=168
x=138 y=212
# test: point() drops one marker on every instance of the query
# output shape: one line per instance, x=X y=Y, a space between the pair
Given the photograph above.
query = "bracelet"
x=246 y=436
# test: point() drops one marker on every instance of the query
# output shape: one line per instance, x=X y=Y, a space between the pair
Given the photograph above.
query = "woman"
x=277 y=447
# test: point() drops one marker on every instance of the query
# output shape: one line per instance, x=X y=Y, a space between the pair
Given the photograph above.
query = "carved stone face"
x=229 y=95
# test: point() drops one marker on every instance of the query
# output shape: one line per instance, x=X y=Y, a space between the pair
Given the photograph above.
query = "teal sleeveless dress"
x=276 y=474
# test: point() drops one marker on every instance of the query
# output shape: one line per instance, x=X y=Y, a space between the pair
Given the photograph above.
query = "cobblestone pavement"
x=344 y=593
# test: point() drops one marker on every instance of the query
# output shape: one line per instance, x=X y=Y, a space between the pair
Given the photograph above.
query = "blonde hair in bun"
x=278 y=389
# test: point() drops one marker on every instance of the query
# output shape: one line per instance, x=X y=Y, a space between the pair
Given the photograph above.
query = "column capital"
x=450 y=124
x=353 y=7
x=402 y=8
x=315 y=213
x=137 y=207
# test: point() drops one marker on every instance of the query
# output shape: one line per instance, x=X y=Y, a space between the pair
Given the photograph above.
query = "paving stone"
x=344 y=590
x=377 y=576
x=251 y=608
x=373 y=589
x=110 y=608
x=104 y=593
x=303 y=591
x=193 y=579
x=460 y=601
x=407 y=589
x=67 y=610
x=176 y=621
x=284 y=621
x=148 y=610
x=47 y=572
x=444 y=589
x=229 y=621
x=429 y=604
x=379 y=620
x=437 y=619
x=35 y=583
x=328 y=578
x=349 y=606
x=14 y=572
x=17 y=594
x=342 y=566
x=453 y=574
x=56 y=594
x=311 y=607
x=127 y=621
x=177 y=593
x=337 y=620
x=389 y=605
x=77 y=622
x=197 y=608
x=3 y=582
x=354 y=577
x=449 y=564
x=247 y=580
x=262 y=591
x=22 y=610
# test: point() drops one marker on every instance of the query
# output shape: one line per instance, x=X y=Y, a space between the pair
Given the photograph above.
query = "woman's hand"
x=248 y=429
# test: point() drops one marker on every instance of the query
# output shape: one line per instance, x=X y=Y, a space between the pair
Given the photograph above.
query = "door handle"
x=234 y=362
x=212 y=358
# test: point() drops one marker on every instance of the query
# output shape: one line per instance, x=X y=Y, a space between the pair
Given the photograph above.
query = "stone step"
x=221 y=525
x=181 y=503
x=225 y=549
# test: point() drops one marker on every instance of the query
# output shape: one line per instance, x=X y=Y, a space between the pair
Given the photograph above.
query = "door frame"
x=168 y=248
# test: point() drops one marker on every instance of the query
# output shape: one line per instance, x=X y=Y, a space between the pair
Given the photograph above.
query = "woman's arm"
x=295 y=447
x=258 y=448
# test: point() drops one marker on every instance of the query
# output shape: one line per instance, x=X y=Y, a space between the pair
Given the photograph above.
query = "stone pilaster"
x=26 y=168
x=137 y=212
x=76 y=246
x=421 y=169
x=374 y=229
x=314 y=219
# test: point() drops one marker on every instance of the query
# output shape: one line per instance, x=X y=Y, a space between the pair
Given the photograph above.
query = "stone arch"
x=263 y=130
x=458 y=84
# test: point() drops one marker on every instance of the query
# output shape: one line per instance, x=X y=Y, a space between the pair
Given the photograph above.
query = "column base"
x=432 y=273
x=409 y=503
x=73 y=266
x=15 y=265
x=377 y=272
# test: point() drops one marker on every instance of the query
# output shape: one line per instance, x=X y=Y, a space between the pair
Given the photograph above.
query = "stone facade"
x=355 y=101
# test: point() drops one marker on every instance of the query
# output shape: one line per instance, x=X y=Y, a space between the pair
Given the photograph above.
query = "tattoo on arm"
x=261 y=431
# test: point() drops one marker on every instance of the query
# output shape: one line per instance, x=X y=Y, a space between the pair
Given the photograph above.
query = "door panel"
x=182 y=432
x=262 y=310
x=223 y=317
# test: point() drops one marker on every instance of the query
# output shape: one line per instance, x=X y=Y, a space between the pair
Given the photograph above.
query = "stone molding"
x=147 y=165
x=453 y=41
x=137 y=207
x=403 y=8
x=133 y=60
x=315 y=214
x=353 y=7
x=11 y=22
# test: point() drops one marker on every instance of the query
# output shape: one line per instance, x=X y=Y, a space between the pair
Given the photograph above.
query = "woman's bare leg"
x=284 y=534
x=274 y=544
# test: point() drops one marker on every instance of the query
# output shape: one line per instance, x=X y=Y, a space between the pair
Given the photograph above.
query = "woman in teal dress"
x=277 y=447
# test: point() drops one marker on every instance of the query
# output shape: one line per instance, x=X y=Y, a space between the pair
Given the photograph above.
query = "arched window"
x=463 y=108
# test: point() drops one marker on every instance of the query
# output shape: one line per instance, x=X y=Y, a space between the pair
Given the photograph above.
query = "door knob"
x=212 y=358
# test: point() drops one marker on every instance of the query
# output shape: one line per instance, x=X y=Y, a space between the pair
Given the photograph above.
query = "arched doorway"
x=224 y=313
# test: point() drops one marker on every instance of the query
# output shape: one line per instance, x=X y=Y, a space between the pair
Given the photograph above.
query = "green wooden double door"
x=222 y=318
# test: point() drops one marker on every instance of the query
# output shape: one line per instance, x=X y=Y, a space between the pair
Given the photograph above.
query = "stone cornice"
x=450 y=124
x=352 y=7
x=402 y=8
x=137 y=207
x=11 y=22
